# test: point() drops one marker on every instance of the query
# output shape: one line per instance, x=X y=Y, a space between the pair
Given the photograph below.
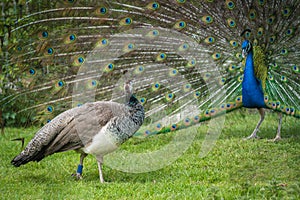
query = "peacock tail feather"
x=184 y=56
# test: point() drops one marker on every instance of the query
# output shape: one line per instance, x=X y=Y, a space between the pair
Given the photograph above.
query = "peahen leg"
x=262 y=117
x=100 y=161
x=279 y=127
x=78 y=174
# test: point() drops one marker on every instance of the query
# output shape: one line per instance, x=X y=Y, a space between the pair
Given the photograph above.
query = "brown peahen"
x=96 y=128
x=185 y=57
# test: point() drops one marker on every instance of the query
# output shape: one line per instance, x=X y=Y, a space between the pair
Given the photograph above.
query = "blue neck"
x=253 y=96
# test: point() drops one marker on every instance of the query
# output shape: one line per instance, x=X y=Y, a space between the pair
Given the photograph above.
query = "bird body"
x=117 y=130
x=252 y=91
x=96 y=128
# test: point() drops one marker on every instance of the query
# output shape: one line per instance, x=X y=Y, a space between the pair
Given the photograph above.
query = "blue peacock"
x=190 y=61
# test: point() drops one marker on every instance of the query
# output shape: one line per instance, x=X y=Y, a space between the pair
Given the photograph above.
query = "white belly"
x=101 y=145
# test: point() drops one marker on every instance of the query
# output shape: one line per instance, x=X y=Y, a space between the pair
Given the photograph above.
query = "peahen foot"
x=252 y=136
x=78 y=176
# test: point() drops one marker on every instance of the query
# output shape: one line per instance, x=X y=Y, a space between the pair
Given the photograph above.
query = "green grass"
x=234 y=169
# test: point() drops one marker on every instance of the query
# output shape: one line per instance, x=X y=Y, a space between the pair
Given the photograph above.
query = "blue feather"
x=253 y=96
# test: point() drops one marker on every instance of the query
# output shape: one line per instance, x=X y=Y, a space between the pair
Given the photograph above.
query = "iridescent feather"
x=178 y=53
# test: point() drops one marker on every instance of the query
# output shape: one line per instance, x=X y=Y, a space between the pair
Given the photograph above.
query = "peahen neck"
x=132 y=101
x=253 y=96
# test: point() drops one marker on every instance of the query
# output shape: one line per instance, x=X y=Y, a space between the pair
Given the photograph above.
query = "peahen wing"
x=71 y=130
x=184 y=56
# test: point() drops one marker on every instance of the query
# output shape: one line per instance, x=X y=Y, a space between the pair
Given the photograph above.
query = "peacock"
x=191 y=61
x=96 y=128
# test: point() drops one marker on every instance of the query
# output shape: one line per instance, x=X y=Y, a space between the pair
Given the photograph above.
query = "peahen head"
x=246 y=48
x=128 y=89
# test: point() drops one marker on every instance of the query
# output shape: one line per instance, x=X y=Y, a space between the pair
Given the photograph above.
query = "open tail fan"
x=184 y=57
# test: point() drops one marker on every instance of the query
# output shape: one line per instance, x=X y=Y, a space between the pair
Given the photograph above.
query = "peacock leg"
x=100 y=161
x=78 y=174
x=262 y=117
x=279 y=127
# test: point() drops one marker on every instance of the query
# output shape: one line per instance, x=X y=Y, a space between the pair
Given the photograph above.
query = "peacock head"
x=246 y=45
x=246 y=48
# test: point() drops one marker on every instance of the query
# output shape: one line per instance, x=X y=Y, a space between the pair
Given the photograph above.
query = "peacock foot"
x=276 y=139
x=77 y=176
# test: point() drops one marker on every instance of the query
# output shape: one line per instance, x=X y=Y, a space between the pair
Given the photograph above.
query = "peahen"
x=96 y=128
x=185 y=57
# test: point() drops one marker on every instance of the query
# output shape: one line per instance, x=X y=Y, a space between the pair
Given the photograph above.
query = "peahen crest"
x=184 y=57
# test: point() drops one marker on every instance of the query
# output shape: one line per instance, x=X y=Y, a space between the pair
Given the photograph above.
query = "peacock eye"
x=103 y=10
x=72 y=37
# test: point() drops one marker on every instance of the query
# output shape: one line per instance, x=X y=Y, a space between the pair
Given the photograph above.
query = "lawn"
x=233 y=169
